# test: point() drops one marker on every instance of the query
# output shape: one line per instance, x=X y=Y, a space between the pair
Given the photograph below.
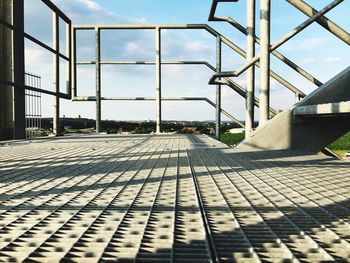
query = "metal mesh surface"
x=169 y=198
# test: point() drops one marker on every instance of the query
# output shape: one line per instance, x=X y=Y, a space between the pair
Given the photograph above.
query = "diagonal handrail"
x=241 y=52
x=277 y=44
x=328 y=24
x=277 y=54
x=243 y=92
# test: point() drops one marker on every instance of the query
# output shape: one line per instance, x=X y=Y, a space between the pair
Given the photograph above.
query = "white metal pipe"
x=158 y=80
x=264 y=91
x=249 y=121
x=56 y=74
x=218 y=90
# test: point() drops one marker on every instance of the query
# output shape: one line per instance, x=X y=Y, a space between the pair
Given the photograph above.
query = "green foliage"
x=142 y=130
x=340 y=153
x=343 y=143
x=232 y=138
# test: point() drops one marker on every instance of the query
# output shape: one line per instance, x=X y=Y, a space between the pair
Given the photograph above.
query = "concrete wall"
x=6 y=92
x=12 y=100
x=285 y=131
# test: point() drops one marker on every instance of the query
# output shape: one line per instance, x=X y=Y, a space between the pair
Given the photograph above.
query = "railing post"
x=218 y=89
x=98 y=80
x=249 y=122
x=69 y=63
x=158 y=80
x=56 y=74
x=265 y=6
x=74 y=63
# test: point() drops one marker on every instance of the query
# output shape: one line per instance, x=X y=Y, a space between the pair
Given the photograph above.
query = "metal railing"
x=17 y=29
x=33 y=106
x=220 y=39
x=263 y=59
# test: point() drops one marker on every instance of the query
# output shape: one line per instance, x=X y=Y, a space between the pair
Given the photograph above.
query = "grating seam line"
x=294 y=237
x=273 y=248
x=222 y=222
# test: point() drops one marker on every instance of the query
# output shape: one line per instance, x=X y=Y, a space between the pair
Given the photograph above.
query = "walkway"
x=169 y=198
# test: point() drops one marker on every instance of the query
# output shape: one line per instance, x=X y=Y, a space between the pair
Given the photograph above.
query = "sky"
x=314 y=49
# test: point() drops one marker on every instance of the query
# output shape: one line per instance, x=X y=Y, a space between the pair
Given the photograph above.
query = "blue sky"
x=315 y=49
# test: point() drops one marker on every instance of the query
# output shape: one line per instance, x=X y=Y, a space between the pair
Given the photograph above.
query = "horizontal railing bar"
x=323 y=20
x=32 y=75
x=213 y=32
x=147 y=63
x=33 y=39
x=277 y=54
x=10 y=83
x=55 y=9
x=93 y=98
x=139 y=26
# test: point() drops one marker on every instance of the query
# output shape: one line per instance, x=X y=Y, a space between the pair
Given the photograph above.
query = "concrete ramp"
x=310 y=132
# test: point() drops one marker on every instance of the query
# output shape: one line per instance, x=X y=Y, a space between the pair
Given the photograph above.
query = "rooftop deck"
x=169 y=198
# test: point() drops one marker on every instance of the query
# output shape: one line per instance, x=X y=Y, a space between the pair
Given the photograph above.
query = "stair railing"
x=314 y=16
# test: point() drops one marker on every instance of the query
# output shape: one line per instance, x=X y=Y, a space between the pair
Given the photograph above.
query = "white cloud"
x=305 y=44
x=332 y=59
x=90 y=4
x=132 y=47
x=309 y=60
x=195 y=46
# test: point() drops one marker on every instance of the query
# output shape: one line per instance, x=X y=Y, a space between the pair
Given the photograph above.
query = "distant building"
x=236 y=130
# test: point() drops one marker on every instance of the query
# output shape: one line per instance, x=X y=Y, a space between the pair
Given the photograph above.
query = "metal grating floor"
x=169 y=198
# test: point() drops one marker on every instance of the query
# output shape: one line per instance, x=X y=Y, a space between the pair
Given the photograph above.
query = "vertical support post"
x=158 y=79
x=98 y=80
x=265 y=8
x=69 y=63
x=249 y=122
x=74 y=65
x=56 y=74
x=6 y=58
x=19 y=70
x=218 y=89
x=297 y=97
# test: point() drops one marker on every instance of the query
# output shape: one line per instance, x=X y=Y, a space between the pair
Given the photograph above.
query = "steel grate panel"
x=169 y=198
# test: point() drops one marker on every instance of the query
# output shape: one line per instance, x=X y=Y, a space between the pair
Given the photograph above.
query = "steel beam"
x=98 y=79
x=264 y=91
x=158 y=80
x=218 y=90
x=323 y=20
x=56 y=73
x=249 y=121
